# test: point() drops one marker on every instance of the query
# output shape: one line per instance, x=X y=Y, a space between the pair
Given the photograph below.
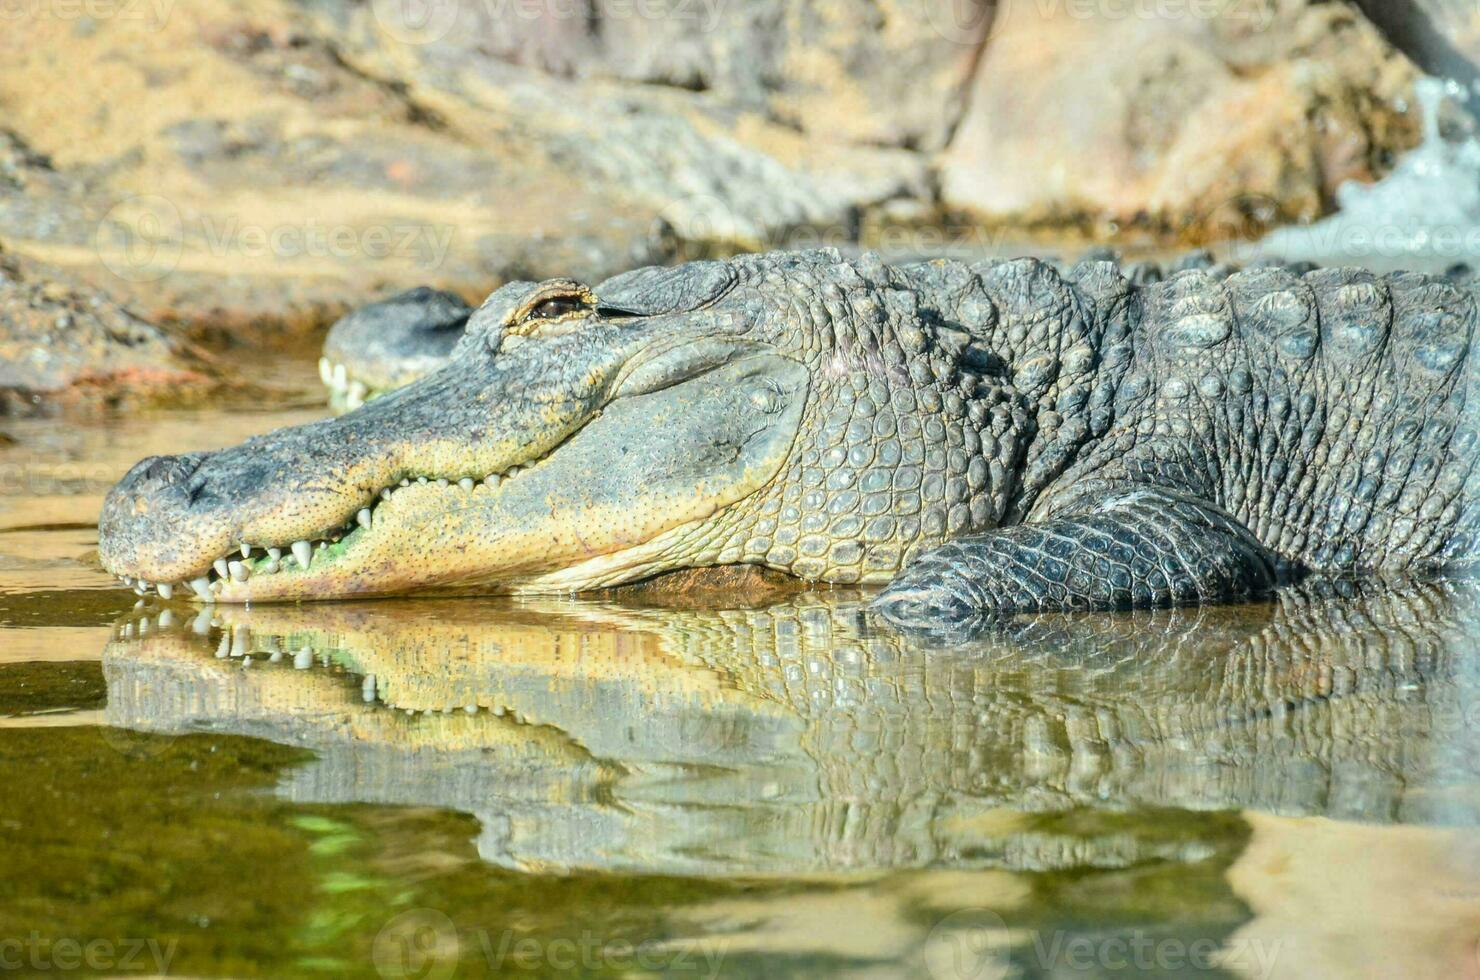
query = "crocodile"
x=390 y=343
x=982 y=440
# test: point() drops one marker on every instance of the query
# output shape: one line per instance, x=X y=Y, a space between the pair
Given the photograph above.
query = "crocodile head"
x=389 y=344
x=787 y=410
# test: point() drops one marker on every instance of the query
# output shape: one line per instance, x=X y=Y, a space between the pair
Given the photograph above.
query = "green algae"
x=126 y=836
x=175 y=840
x=44 y=688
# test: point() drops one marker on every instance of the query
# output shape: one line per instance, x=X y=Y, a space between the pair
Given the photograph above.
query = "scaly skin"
x=1073 y=441
x=393 y=342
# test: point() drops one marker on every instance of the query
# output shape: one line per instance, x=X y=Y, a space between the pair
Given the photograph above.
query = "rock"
x=62 y=346
x=1177 y=122
x=348 y=162
x=878 y=72
x=249 y=172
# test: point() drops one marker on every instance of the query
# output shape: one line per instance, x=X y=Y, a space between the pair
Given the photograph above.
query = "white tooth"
x=201 y=624
x=128 y=630
x=466 y=483
x=303 y=551
x=492 y=480
x=471 y=709
x=273 y=554
x=246 y=661
x=246 y=550
x=144 y=625
x=341 y=376
x=326 y=373
x=241 y=641
x=125 y=580
x=224 y=649
x=166 y=590
x=166 y=619
x=202 y=587
x=367 y=688
x=405 y=483
x=270 y=567
x=442 y=481
x=421 y=479
x=322 y=545
x=220 y=566
x=363 y=518
x=303 y=659
x=238 y=572
x=141 y=587
x=355 y=397
x=385 y=494
x=139 y=604
x=277 y=656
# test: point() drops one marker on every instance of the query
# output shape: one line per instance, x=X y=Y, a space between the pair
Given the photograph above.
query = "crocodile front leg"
x=1127 y=547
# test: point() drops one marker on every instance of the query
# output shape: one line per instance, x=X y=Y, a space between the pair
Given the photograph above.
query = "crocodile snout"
x=146 y=517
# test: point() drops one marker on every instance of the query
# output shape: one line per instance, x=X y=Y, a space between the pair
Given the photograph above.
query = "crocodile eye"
x=555 y=307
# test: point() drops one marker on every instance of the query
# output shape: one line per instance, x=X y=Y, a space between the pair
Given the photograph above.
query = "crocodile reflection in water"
x=792 y=738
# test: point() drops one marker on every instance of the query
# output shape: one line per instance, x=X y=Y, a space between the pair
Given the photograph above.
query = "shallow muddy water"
x=527 y=788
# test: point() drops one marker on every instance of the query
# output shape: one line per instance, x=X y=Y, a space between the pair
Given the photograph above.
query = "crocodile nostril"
x=156 y=468
x=164 y=470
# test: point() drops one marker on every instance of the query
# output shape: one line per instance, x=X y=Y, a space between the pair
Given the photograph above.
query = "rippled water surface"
x=615 y=787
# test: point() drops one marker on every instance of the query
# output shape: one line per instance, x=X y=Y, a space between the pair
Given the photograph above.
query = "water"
x=528 y=788
x=1424 y=216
